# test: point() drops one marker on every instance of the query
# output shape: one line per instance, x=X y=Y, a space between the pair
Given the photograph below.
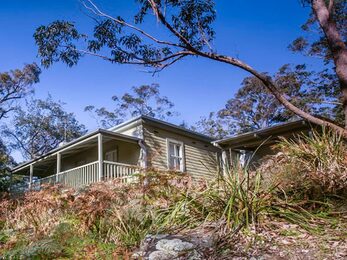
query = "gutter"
x=265 y=131
x=73 y=142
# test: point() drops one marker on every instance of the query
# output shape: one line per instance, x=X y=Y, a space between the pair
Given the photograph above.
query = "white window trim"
x=183 y=165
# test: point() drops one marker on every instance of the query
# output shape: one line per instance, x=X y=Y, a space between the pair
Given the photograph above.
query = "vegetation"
x=6 y=161
x=253 y=107
x=41 y=127
x=145 y=100
x=190 y=26
x=311 y=167
x=110 y=220
x=15 y=85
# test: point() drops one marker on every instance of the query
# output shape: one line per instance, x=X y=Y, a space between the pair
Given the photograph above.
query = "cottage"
x=253 y=147
x=118 y=152
x=144 y=142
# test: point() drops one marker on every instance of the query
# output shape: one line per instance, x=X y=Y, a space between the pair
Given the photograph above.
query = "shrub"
x=127 y=226
x=310 y=167
x=112 y=218
x=235 y=200
x=39 y=212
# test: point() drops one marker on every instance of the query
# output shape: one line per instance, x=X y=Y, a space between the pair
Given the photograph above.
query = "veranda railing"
x=89 y=173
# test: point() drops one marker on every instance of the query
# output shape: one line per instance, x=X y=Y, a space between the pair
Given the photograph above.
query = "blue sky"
x=258 y=32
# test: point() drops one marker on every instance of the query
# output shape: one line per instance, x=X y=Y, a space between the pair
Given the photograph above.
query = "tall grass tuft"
x=310 y=167
x=236 y=201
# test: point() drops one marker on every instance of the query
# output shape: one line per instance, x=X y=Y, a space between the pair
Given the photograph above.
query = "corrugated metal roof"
x=276 y=130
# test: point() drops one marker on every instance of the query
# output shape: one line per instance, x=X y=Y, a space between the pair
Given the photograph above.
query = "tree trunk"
x=336 y=45
x=266 y=81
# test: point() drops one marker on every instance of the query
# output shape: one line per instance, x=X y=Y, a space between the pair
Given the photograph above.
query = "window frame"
x=113 y=151
x=183 y=161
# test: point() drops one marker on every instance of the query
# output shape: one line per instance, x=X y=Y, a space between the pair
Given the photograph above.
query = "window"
x=175 y=155
x=111 y=156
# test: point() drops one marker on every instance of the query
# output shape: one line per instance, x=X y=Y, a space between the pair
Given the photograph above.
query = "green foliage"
x=189 y=31
x=213 y=125
x=107 y=220
x=15 y=85
x=42 y=127
x=316 y=44
x=4 y=237
x=253 y=107
x=236 y=200
x=60 y=40
x=64 y=242
x=55 y=43
x=5 y=182
x=43 y=249
x=310 y=167
x=145 y=100
x=6 y=161
x=126 y=227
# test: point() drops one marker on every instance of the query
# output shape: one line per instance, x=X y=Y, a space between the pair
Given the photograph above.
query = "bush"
x=310 y=167
x=235 y=201
x=39 y=212
x=92 y=221
x=111 y=218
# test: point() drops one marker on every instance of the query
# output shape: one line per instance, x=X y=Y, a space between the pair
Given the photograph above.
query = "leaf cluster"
x=144 y=100
x=42 y=127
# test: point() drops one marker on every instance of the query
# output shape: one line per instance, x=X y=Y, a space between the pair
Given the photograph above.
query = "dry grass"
x=53 y=220
x=109 y=220
x=310 y=167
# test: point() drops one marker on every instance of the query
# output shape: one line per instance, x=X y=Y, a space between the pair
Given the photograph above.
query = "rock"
x=161 y=255
x=165 y=247
x=173 y=245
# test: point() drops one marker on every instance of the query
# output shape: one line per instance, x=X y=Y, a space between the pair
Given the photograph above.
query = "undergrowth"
x=310 y=167
x=108 y=220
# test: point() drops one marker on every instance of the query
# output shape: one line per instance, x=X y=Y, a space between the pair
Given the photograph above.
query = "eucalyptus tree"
x=189 y=33
x=143 y=100
x=213 y=125
x=15 y=85
x=253 y=108
x=325 y=36
x=41 y=127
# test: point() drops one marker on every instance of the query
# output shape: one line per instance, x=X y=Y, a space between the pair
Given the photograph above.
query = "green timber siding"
x=200 y=156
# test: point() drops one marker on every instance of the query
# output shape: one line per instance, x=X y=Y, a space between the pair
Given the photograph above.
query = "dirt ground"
x=276 y=240
x=287 y=241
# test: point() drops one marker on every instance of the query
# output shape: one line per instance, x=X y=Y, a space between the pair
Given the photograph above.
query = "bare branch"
x=170 y=63
x=328 y=102
x=98 y=12
x=141 y=61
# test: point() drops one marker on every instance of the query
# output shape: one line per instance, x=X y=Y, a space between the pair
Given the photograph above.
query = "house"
x=253 y=147
x=118 y=152
x=146 y=142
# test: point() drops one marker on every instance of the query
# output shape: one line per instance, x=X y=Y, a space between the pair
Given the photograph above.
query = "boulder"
x=168 y=247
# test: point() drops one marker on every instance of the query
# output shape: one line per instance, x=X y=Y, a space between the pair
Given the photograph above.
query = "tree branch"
x=161 y=17
x=98 y=12
x=275 y=91
x=336 y=45
x=178 y=55
x=323 y=15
